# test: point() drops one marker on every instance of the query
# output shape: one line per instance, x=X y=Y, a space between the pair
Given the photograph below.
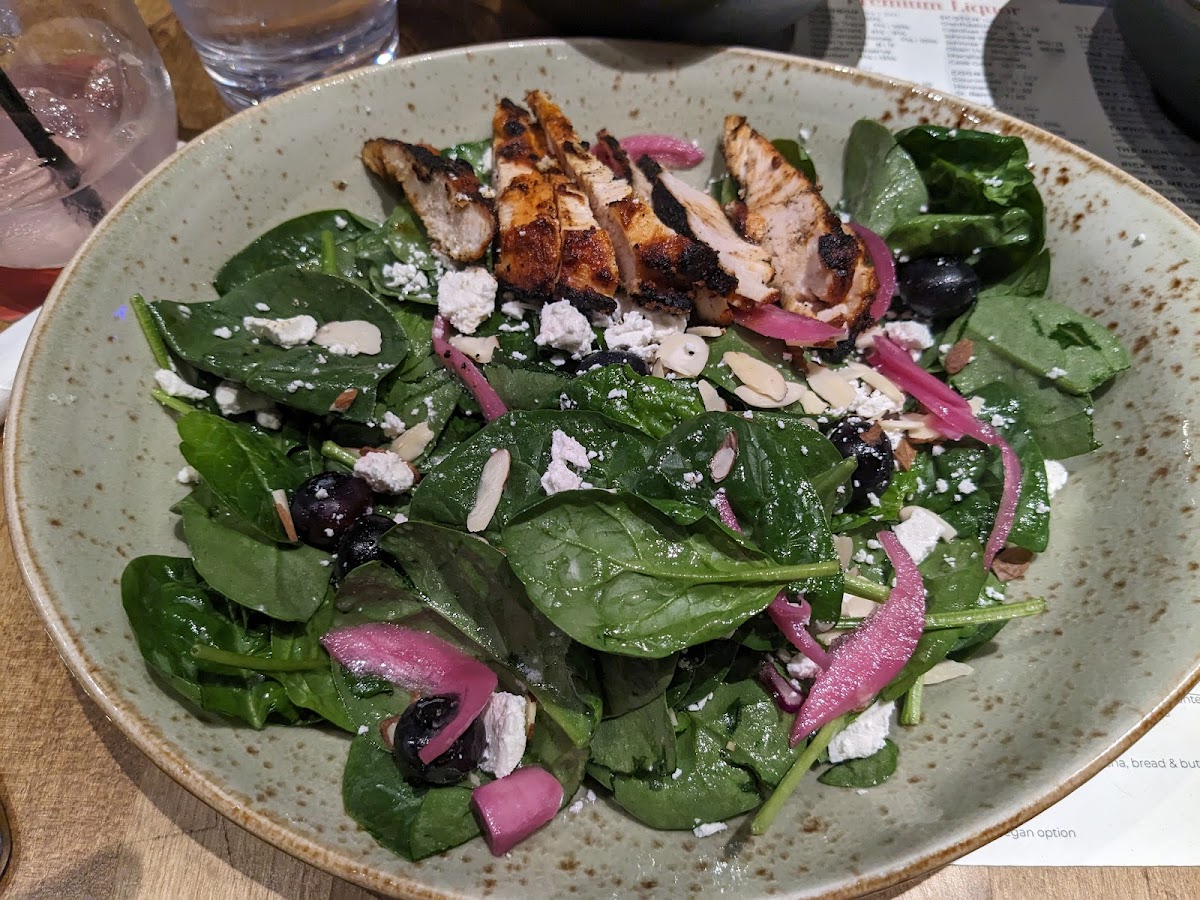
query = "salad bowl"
x=92 y=463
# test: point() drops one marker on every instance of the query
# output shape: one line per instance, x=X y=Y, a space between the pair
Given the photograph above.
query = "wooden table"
x=95 y=818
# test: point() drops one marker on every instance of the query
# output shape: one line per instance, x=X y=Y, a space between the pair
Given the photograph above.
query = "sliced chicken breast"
x=822 y=269
x=587 y=275
x=444 y=192
x=527 y=262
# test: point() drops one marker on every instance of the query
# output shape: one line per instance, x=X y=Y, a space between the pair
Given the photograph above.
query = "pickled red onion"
x=868 y=658
x=885 y=269
x=461 y=366
x=955 y=419
x=417 y=662
x=786 y=697
x=771 y=321
x=664 y=149
x=512 y=808
x=790 y=618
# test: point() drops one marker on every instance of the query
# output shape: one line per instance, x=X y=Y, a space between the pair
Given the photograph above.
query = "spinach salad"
x=661 y=559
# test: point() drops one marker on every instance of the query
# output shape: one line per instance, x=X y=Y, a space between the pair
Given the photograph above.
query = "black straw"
x=61 y=166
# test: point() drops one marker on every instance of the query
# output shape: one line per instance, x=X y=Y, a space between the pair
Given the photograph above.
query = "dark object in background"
x=1164 y=37
x=707 y=21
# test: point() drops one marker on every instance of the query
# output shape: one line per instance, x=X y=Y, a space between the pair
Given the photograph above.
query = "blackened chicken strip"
x=822 y=269
x=657 y=266
x=587 y=275
x=444 y=192
x=530 y=243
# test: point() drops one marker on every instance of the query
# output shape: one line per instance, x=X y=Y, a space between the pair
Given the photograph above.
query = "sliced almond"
x=945 y=670
x=813 y=405
x=530 y=717
x=756 y=374
x=491 y=487
x=387 y=731
x=959 y=355
x=479 y=349
x=284 y=510
x=657 y=369
x=706 y=331
x=722 y=461
x=344 y=400
x=350 y=338
x=713 y=402
x=412 y=443
x=905 y=453
x=1011 y=563
x=844 y=545
x=793 y=393
x=832 y=387
x=877 y=380
x=684 y=354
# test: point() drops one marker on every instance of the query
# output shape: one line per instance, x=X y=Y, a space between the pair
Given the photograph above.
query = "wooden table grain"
x=94 y=818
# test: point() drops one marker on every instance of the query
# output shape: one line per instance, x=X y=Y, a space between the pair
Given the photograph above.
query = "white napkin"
x=12 y=345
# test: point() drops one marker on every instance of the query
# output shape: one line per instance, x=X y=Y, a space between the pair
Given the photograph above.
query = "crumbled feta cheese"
x=864 y=736
x=223 y=332
x=1055 y=373
x=1056 y=476
x=708 y=829
x=565 y=328
x=966 y=486
x=691 y=479
x=575 y=807
x=233 y=399
x=801 y=667
x=285 y=333
x=633 y=334
x=941 y=485
x=175 y=386
x=677 y=774
x=188 y=475
x=363 y=729
x=909 y=335
x=504 y=731
x=262 y=307
x=405 y=278
x=618 y=394
x=467 y=297
x=565 y=448
x=514 y=309
x=558 y=477
x=701 y=703
x=340 y=221
x=269 y=419
x=385 y=471
x=919 y=533
x=393 y=425
x=871 y=404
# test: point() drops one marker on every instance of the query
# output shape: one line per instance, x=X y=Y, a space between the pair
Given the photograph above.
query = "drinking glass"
x=255 y=48
x=85 y=111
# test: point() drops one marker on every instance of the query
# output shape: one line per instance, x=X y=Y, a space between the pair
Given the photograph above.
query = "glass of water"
x=253 y=49
x=85 y=111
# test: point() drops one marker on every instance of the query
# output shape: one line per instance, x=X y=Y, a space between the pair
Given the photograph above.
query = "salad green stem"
x=961 y=618
x=328 y=253
x=865 y=588
x=788 y=784
x=910 y=713
x=175 y=403
x=141 y=311
x=339 y=454
x=205 y=653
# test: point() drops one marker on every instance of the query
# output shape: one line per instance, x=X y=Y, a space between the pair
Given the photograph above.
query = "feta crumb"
x=175 y=386
x=188 y=475
x=340 y=221
x=363 y=729
x=909 y=335
x=405 y=278
x=919 y=533
x=223 y=332
x=575 y=807
x=270 y=419
x=233 y=399
x=467 y=297
x=691 y=479
x=677 y=774
x=514 y=309
x=504 y=731
x=565 y=328
x=966 y=486
x=1056 y=476
x=802 y=668
x=393 y=425
x=262 y=307
x=708 y=829
x=1055 y=373
x=558 y=477
x=385 y=471
x=864 y=736
x=618 y=394
x=941 y=485
x=285 y=333
x=565 y=448
x=700 y=704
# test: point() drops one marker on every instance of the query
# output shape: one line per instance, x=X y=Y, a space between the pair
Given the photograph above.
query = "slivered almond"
x=813 y=405
x=877 y=380
x=722 y=461
x=491 y=487
x=905 y=453
x=713 y=402
x=945 y=670
x=350 y=338
x=284 y=510
x=793 y=393
x=756 y=374
x=657 y=369
x=844 y=546
x=684 y=354
x=530 y=717
x=830 y=386
x=412 y=443
x=344 y=400
x=706 y=331
x=480 y=349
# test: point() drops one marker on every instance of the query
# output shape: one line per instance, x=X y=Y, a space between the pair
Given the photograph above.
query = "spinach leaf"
x=469 y=584
x=641 y=742
x=447 y=492
x=400 y=241
x=630 y=682
x=864 y=773
x=797 y=157
x=192 y=330
x=313 y=689
x=619 y=576
x=881 y=185
x=241 y=466
x=904 y=486
x=702 y=668
x=286 y=582
x=375 y=592
x=521 y=388
x=1000 y=241
x=651 y=405
x=477 y=154
x=756 y=734
x=550 y=748
x=413 y=822
x=431 y=399
x=295 y=243
x=171 y=610
x=741 y=340
x=1031 y=526
x=1031 y=280
x=768 y=487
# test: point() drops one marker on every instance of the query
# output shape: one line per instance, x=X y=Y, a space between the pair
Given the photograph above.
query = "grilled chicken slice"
x=822 y=269
x=444 y=192
x=656 y=265
x=526 y=208
x=587 y=275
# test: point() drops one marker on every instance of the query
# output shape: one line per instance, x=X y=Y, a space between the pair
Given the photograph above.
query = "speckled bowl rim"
x=143 y=732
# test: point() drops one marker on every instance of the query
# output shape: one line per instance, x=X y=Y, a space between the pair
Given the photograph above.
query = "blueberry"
x=613 y=358
x=424 y=718
x=326 y=505
x=867 y=444
x=937 y=288
x=360 y=544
